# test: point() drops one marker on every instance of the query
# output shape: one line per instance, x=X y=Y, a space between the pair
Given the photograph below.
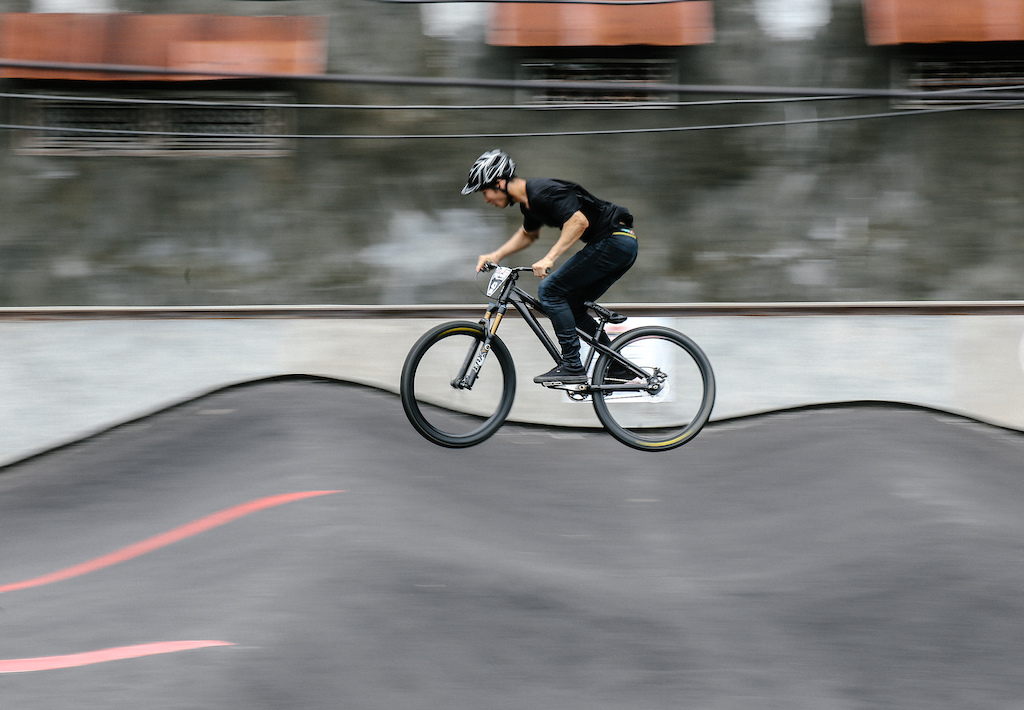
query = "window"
x=943 y=73
x=245 y=124
x=632 y=71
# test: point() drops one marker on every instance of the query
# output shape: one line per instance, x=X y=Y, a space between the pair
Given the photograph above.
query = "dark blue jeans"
x=584 y=277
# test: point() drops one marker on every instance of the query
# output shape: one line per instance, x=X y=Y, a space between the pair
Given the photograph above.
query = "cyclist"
x=605 y=228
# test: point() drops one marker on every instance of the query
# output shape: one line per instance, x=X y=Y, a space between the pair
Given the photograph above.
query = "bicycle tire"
x=443 y=413
x=672 y=416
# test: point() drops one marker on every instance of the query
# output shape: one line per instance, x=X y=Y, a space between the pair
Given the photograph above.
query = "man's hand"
x=543 y=267
x=519 y=241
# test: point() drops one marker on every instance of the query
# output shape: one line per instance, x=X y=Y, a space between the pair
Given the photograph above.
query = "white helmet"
x=488 y=168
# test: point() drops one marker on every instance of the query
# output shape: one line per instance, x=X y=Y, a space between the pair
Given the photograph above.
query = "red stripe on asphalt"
x=49 y=663
x=164 y=539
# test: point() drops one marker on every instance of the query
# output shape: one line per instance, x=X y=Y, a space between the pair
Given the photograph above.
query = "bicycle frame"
x=657 y=360
x=526 y=304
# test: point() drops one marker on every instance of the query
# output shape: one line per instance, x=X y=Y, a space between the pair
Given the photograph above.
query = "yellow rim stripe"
x=661 y=444
x=462 y=329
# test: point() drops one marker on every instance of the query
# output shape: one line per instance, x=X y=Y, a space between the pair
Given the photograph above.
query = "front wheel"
x=440 y=402
x=668 y=407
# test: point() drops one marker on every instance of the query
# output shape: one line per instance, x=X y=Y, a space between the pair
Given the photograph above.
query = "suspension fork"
x=476 y=356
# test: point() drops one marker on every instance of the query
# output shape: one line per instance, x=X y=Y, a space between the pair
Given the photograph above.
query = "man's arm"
x=519 y=241
x=572 y=230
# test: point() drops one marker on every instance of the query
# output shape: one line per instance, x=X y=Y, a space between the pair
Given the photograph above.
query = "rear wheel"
x=668 y=407
x=452 y=413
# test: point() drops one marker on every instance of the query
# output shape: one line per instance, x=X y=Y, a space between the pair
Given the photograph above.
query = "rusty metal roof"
x=936 y=21
x=197 y=43
x=575 y=25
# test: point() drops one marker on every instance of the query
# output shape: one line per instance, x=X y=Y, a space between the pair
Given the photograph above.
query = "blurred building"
x=267 y=159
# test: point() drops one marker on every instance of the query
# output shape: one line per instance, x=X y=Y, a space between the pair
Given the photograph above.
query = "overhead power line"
x=999 y=97
x=465 y=82
x=551 y=106
x=546 y=134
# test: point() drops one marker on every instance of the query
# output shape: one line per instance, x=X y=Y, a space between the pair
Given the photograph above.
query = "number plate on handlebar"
x=498 y=279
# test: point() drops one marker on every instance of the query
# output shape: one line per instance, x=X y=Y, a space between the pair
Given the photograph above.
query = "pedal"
x=575 y=392
x=575 y=387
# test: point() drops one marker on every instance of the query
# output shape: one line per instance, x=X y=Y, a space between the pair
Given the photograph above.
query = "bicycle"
x=653 y=389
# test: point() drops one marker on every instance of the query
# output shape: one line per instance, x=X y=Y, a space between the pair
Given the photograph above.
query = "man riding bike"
x=605 y=228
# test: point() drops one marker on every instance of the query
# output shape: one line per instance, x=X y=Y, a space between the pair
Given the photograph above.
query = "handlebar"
x=491 y=266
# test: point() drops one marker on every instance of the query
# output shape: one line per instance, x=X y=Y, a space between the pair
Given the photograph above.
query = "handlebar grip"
x=491 y=266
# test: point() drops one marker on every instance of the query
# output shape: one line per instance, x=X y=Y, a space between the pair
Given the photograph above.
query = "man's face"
x=494 y=196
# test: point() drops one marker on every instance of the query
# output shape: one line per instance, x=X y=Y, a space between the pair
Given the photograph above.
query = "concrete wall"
x=905 y=208
x=61 y=380
x=911 y=207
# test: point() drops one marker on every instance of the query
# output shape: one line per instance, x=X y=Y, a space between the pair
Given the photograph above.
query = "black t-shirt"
x=553 y=202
